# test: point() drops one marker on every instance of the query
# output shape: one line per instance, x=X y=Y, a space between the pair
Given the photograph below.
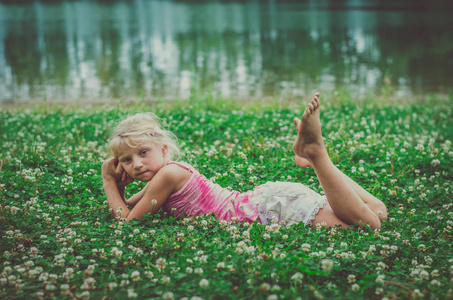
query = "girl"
x=143 y=150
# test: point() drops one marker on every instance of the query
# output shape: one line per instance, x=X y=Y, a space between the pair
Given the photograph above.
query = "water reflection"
x=148 y=49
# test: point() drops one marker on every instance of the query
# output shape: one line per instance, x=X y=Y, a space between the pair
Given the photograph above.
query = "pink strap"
x=181 y=165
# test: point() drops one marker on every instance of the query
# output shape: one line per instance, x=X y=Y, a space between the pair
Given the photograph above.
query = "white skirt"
x=290 y=202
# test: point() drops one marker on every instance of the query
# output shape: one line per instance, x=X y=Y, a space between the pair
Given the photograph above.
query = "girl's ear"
x=164 y=150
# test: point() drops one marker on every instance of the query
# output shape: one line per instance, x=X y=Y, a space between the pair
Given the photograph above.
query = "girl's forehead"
x=126 y=148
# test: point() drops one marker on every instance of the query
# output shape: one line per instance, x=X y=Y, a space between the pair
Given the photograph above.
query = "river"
x=160 y=49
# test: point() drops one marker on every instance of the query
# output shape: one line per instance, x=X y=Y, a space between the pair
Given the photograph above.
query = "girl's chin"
x=144 y=177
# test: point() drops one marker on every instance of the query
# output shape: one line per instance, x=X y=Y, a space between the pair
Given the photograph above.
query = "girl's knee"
x=327 y=218
x=381 y=212
x=379 y=209
x=366 y=215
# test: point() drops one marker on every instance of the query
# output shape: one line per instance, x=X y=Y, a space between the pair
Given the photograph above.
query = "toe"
x=307 y=113
x=314 y=103
x=316 y=97
x=296 y=122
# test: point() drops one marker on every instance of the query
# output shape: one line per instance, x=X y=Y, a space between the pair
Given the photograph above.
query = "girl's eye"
x=126 y=160
x=143 y=152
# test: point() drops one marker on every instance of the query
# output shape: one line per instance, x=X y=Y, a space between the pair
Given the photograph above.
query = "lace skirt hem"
x=287 y=203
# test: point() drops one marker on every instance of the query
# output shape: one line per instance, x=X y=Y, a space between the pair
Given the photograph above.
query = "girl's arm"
x=135 y=198
x=168 y=180
x=115 y=180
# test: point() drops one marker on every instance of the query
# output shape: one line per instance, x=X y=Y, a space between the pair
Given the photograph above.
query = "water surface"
x=98 y=51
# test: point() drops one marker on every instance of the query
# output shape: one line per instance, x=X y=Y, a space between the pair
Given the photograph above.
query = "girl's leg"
x=376 y=205
x=343 y=199
x=327 y=217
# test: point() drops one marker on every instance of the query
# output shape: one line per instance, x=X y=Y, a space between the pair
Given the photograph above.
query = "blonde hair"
x=142 y=128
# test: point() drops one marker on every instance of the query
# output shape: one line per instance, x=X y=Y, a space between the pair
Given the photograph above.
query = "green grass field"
x=59 y=241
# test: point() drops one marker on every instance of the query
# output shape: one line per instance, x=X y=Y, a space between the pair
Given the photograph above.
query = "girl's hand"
x=112 y=170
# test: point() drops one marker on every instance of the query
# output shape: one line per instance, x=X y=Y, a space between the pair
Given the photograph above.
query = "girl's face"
x=144 y=161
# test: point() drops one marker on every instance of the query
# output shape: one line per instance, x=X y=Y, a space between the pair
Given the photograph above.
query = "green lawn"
x=58 y=240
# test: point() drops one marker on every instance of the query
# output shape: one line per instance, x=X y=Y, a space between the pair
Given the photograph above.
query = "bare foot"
x=302 y=162
x=309 y=141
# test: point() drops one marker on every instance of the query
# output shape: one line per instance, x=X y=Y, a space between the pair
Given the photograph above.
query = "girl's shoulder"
x=183 y=165
x=174 y=174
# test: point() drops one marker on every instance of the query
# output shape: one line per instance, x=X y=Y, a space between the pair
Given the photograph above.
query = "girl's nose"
x=137 y=163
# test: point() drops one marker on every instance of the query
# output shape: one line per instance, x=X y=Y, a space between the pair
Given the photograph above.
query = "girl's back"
x=200 y=196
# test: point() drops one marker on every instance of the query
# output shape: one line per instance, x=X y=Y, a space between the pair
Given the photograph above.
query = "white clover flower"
x=380 y=279
x=241 y=244
x=379 y=291
x=297 y=277
x=221 y=265
x=264 y=287
x=204 y=283
x=119 y=210
x=112 y=285
x=424 y=274
x=276 y=288
x=306 y=247
x=135 y=276
x=154 y=202
x=327 y=264
x=89 y=283
x=250 y=250
x=435 y=273
x=168 y=296
x=131 y=294
x=64 y=289
x=275 y=228
x=435 y=162
x=435 y=282
x=161 y=263
x=417 y=294
x=351 y=278
x=355 y=287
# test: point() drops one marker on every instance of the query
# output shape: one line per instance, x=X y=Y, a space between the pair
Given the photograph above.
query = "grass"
x=58 y=240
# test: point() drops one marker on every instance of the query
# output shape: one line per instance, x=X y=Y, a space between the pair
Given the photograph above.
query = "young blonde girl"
x=143 y=150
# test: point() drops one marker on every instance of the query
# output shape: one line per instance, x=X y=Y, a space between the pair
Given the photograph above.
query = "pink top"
x=200 y=196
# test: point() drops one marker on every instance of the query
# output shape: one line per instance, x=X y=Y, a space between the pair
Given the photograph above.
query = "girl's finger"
x=119 y=168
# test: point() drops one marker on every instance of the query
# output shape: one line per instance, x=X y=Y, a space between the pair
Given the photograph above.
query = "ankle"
x=316 y=152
